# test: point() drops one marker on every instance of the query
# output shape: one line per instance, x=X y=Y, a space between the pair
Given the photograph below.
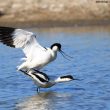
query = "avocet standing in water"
x=36 y=56
x=43 y=81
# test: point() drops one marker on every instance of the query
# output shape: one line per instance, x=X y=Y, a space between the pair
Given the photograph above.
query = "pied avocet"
x=42 y=80
x=36 y=56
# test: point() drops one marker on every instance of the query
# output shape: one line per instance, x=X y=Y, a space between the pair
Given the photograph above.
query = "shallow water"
x=90 y=48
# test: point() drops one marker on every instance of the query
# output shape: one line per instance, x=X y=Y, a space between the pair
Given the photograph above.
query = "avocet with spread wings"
x=36 y=56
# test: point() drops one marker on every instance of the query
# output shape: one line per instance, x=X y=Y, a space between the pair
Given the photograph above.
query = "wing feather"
x=19 y=38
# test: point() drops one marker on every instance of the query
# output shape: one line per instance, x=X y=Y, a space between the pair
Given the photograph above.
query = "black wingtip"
x=6 y=36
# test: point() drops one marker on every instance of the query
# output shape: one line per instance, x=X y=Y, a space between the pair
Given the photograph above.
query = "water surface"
x=90 y=48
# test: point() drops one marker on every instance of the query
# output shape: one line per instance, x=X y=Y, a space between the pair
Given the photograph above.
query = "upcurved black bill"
x=76 y=79
x=65 y=55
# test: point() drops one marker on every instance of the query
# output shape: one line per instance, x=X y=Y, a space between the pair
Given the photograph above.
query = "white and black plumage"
x=42 y=80
x=36 y=56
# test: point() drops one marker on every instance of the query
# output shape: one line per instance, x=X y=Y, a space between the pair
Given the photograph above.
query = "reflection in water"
x=43 y=101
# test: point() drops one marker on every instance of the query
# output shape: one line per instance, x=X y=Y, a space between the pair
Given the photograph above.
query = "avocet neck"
x=53 y=54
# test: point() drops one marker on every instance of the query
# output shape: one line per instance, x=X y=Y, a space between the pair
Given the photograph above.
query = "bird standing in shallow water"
x=36 y=56
x=42 y=80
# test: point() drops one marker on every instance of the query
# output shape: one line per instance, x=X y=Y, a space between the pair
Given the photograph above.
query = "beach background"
x=54 y=12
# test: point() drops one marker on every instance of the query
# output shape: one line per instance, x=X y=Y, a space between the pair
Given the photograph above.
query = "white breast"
x=40 y=58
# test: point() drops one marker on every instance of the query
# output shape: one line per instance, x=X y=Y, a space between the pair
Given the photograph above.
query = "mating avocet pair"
x=36 y=56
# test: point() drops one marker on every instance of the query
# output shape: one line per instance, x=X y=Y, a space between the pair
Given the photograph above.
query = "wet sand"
x=47 y=24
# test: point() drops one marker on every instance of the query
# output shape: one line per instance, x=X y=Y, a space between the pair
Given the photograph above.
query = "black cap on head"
x=56 y=44
x=67 y=76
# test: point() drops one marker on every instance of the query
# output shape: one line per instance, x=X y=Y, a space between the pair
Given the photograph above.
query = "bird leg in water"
x=38 y=89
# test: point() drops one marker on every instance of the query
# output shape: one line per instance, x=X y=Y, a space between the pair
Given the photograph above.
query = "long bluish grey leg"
x=25 y=72
x=38 y=89
x=28 y=70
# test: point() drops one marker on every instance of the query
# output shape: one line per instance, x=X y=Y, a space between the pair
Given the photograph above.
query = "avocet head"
x=65 y=78
x=57 y=47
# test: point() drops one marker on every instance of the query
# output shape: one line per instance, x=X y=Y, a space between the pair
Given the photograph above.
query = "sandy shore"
x=41 y=24
x=50 y=13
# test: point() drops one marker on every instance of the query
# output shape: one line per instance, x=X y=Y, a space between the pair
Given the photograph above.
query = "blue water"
x=90 y=49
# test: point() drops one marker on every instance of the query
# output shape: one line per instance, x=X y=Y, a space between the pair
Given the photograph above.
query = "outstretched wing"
x=19 y=38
